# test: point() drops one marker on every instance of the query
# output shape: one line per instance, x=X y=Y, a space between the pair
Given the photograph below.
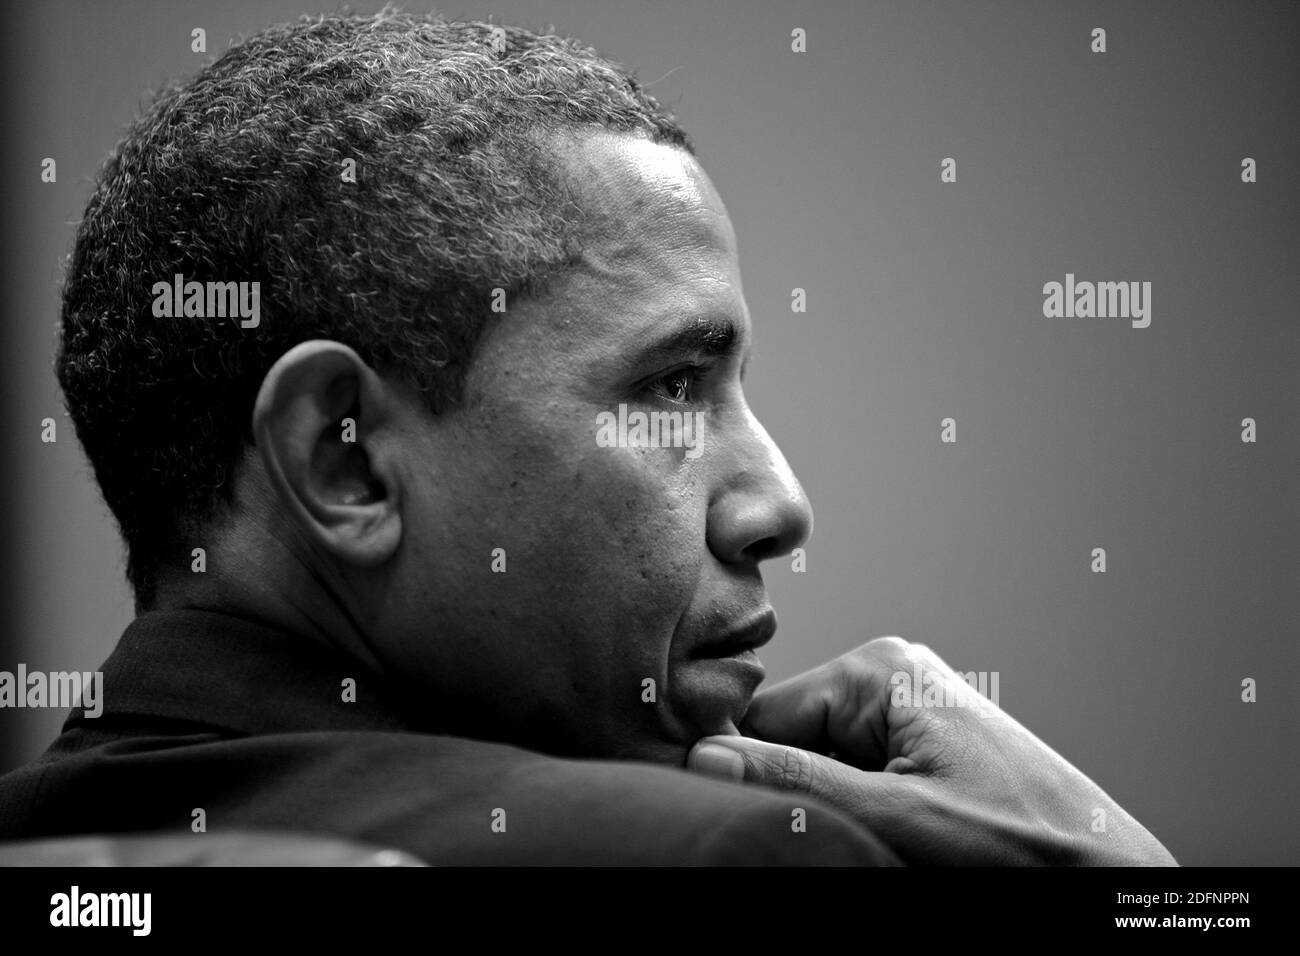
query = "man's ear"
x=323 y=424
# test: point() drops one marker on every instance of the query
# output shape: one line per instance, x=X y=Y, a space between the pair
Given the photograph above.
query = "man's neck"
x=270 y=586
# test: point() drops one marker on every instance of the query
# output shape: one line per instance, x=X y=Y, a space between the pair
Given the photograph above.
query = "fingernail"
x=718 y=761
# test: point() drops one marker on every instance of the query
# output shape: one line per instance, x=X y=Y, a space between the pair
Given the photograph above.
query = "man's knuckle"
x=794 y=769
x=890 y=644
x=852 y=666
x=871 y=656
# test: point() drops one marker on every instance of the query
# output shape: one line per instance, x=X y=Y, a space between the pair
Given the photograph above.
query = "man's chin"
x=712 y=695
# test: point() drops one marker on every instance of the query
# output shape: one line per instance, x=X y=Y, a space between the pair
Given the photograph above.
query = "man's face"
x=619 y=564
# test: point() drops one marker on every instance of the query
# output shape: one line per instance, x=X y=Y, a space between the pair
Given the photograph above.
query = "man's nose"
x=760 y=510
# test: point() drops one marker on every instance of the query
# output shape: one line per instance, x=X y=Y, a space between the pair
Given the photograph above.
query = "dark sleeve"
x=622 y=813
x=447 y=801
x=764 y=835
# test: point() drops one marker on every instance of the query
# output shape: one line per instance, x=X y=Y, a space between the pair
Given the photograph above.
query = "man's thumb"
x=772 y=765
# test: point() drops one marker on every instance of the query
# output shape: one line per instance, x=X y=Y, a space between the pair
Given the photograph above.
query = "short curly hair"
x=238 y=175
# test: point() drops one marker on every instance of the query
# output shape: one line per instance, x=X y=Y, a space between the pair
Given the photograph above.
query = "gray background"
x=924 y=301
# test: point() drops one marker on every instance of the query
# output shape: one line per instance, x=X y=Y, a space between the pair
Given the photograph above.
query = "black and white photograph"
x=599 y=434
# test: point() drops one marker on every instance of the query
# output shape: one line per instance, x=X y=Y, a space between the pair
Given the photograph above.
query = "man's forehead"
x=661 y=238
x=656 y=278
x=631 y=177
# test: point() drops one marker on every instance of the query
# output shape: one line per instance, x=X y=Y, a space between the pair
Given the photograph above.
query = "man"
x=408 y=356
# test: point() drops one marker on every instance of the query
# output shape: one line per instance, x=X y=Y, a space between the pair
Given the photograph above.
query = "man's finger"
x=840 y=707
x=897 y=807
x=793 y=712
x=875 y=795
x=755 y=761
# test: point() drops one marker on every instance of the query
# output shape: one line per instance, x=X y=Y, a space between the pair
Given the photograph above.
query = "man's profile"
x=392 y=585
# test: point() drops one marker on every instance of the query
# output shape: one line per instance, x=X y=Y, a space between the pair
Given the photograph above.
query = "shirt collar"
x=226 y=671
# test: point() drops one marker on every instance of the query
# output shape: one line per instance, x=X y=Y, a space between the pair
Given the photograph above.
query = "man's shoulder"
x=447 y=800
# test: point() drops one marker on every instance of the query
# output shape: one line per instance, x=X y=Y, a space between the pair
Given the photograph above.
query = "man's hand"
x=958 y=782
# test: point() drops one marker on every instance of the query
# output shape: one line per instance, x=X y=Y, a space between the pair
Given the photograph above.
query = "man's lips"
x=721 y=672
x=741 y=640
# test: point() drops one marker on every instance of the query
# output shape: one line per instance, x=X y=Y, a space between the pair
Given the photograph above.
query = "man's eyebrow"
x=709 y=336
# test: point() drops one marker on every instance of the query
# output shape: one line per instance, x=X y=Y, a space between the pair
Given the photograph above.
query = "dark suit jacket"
x=213 y=712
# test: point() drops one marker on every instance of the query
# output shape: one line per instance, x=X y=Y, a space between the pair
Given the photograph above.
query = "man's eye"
x=676 y=386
